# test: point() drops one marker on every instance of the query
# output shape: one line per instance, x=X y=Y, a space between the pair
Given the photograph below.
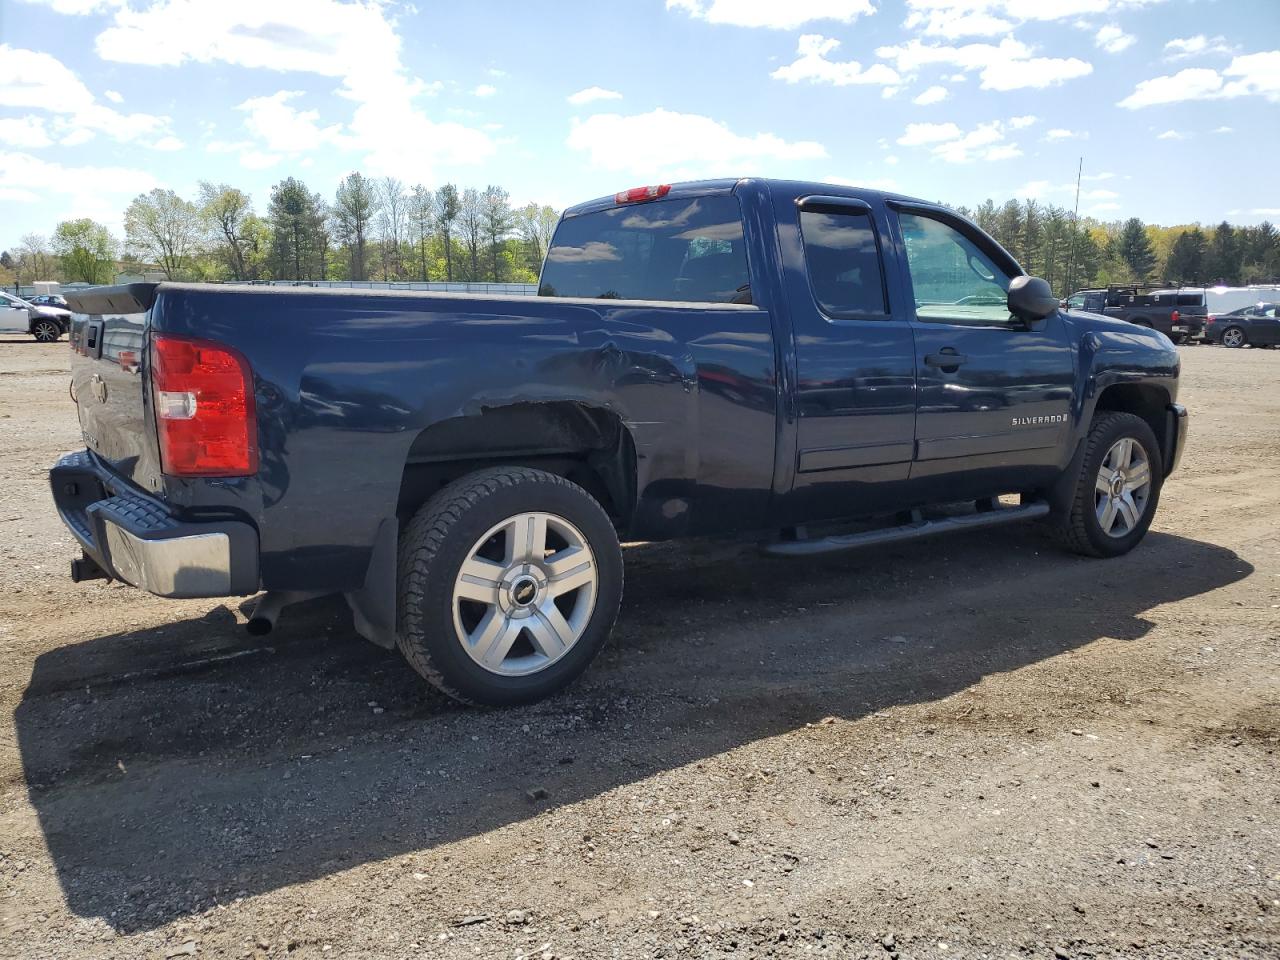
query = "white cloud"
x=354 y=43
x=1113 y=40
x=773 y=14
x=1008 y=65
x=113 y=95
x=947 y=141
x=1062 y=133
x=1172 y=135
x=88 y=191
x=592 y=94
x=953 y=19
x=281 y=128
x=917 y=134
x=1181 y=48
x=34 y=80
x=666 y=145
x=485 y=90
x=169 y=143
x=1225 y=130
x=934 y=94
x=24 y=132
x=811 y=65
x=1021 y=123
x=78 y=7
x=1254 y=74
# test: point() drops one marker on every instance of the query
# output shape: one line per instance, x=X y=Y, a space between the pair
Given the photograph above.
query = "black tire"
x=1079 y=530
x=46 y=331
x=1243 y=337
x=439 y=539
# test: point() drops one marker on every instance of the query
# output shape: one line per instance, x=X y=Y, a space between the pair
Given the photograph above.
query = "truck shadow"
x=172 y=769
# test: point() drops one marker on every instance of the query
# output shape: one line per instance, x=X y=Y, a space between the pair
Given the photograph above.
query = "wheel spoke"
x=1103 y=483
x=527 y=538
x=550 y=631
x=492 y=639
x=1137 y=476
x=1129 y=510
x=480 y=580
x=1124 y=453
x=1107 y=513
x=569 y=569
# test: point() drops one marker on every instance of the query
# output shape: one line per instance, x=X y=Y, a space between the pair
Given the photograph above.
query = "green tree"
x=228 y=215
x=421 y=221
x=470 y=221
x=1134 y=249
x=298 y=238
x=162 y=228
x=86 y=249
x=448 y=207
x=1008 y=228
x=536 y=225
x=1186 y=262
x=496 y=217
x=355 y=207
x=1224 y=255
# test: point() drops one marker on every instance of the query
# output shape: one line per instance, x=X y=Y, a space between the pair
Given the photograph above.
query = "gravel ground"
x=976 y=746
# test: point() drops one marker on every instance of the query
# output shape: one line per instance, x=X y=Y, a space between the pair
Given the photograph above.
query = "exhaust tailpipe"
x=266 y=610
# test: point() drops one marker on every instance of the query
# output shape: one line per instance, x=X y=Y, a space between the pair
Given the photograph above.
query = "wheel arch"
x=1150 y=401
x=589 y=445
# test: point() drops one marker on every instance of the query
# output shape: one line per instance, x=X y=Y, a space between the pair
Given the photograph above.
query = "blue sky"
x=1173 y=104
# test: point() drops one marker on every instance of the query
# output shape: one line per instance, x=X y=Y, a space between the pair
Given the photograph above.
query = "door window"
x=843 y=260
x=952 y=279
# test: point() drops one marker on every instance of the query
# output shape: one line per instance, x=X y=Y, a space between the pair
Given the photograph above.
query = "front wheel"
x=1233 y=337
x=46 y=331
x=1117 y=489
x=510 y=581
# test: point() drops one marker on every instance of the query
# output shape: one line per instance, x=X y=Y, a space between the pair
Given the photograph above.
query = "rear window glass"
x=687 y=249
x=1191 y=299
x=844 y=263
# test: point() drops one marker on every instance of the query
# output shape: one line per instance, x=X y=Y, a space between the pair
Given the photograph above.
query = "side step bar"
x=907 y=531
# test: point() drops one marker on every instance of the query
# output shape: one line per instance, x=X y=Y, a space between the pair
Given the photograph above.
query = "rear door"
x=994 y=394
x=854 y=357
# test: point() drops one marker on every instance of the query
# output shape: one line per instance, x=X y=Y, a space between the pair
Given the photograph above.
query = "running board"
x=907 y=531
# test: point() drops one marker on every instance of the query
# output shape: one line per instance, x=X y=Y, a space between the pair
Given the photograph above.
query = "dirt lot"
x=969 y=747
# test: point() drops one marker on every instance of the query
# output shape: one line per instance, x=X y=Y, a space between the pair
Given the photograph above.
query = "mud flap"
x=1062 y=494
x=374 y=605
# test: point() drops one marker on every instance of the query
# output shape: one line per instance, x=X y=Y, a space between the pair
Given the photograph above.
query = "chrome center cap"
x=1117 y=484
x=524 y=591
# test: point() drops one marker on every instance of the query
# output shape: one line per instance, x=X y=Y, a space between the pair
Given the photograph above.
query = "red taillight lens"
x=641 y=194
x=1211 y=319
x=1173 y=317
x=204 y=409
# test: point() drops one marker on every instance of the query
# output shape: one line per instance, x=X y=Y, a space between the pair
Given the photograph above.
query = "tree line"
x=377 y=229
x=1074 y=254
x=371 y=229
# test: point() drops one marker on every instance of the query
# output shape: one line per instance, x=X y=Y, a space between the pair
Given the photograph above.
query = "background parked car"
x=1255 y=326
x=49 y=300
x=47 y=324
x=1177 y=313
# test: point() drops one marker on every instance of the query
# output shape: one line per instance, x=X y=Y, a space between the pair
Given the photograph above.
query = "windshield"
x=687 y=249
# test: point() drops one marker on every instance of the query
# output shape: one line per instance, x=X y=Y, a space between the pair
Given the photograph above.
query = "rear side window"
x=1191 y=299
x=686 y=249
x=843 y=260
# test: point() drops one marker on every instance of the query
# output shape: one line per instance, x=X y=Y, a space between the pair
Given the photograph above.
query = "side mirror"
x=1031 y=299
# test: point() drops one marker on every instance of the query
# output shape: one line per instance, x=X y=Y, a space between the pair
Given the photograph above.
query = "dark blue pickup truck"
x=753 y=358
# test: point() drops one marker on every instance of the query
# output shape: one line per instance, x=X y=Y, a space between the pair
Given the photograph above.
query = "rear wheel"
x=1117 y=489
x=1234 y=337
x=46 y=331
x=510 y=581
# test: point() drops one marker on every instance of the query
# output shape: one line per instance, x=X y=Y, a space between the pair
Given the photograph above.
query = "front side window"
x=843 y=261
x=685 y=250
x=1076 y=302
x=953 y=280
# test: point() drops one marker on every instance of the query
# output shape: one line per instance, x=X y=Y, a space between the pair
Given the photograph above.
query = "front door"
x=994 y=393
x=854 y=359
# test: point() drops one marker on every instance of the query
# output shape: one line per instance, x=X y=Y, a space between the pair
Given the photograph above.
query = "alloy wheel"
x=524 y=594
x=1123 y=487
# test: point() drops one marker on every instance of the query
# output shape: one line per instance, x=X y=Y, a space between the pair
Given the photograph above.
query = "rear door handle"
x=946 y=358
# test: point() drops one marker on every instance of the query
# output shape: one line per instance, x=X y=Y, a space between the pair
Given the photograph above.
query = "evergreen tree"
x=1187 y=258
x=448 y=207
x=298 y=238
x=356 y=204
x=1133 y=247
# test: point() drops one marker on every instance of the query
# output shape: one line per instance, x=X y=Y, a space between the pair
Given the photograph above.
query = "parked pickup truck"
x=1178 y=314
x=749 y=358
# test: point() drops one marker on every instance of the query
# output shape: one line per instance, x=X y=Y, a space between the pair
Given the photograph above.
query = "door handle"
x=945 y=359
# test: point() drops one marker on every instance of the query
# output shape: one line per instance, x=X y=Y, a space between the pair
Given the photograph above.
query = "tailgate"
x=108 y=377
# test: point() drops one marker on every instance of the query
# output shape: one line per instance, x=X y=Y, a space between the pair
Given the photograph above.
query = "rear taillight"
x=641 y=194
x=1211 y=319
x=204 y=409
x=1173 y=317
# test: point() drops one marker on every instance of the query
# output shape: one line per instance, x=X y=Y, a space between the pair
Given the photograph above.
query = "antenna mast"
x=1075 y=226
